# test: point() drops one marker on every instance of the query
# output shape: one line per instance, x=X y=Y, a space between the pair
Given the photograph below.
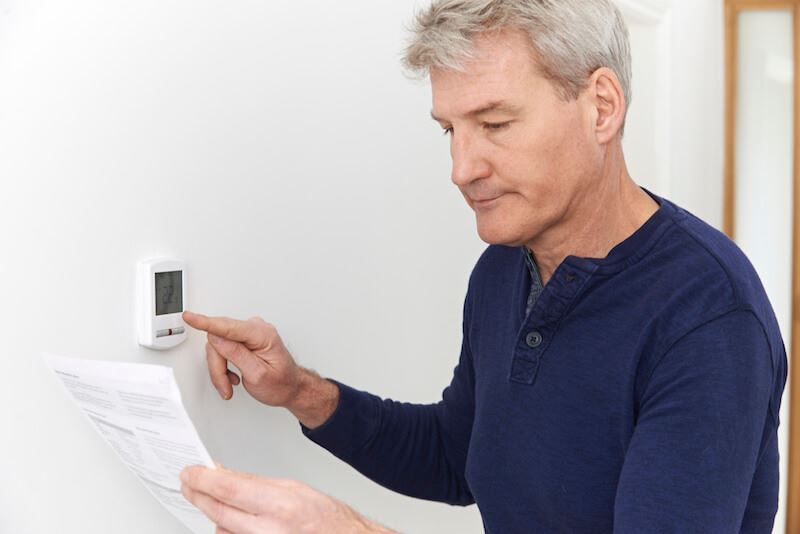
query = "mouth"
x=485 y=203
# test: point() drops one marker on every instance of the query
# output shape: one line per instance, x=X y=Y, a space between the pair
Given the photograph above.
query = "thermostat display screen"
x=169 y=292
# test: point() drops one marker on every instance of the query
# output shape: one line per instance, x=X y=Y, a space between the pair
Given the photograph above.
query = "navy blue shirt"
x=637 y=393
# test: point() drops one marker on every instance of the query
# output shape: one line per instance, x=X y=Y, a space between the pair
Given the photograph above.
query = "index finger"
x=242 y=331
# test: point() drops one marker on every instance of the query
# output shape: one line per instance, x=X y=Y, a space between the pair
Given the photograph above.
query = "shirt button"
x=533 y=339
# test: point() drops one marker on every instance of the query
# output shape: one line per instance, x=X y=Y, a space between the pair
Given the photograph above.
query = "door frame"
x=732 y=10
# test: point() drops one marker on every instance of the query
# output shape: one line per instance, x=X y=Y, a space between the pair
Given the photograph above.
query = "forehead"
x=503 y=68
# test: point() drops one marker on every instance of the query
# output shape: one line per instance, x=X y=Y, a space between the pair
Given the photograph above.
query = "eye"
x=495 y=126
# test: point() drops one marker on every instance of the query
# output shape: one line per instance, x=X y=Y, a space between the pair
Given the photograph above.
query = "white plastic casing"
x=159 y=332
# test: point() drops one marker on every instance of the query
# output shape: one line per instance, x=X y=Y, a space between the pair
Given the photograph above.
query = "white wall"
x=282 y=154
x=648 y=125
x=278 y=150
x=674 y=138
x=697 y=107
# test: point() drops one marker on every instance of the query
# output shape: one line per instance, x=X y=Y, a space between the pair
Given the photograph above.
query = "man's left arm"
x=703 y=424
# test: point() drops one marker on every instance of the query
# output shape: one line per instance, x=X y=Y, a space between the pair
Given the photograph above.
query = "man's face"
x=522 y=155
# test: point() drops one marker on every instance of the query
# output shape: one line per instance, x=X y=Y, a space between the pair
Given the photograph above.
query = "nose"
x=469 y=162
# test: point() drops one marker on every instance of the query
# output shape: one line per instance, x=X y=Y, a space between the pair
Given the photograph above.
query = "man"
x=621 y=367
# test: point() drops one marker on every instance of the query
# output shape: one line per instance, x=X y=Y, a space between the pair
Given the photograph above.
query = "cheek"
x=544 y=171
x=556 y=162
x=534 y=168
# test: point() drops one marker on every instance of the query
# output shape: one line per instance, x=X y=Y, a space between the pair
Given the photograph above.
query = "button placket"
x=525 y=364
x=539 y=328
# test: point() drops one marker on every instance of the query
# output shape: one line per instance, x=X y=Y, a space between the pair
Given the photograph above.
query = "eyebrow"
x=498 y=105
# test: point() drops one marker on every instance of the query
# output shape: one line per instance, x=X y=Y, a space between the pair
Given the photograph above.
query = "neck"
x=596 y=221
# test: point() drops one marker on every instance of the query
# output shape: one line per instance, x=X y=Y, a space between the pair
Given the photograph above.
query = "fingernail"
x=184 y=476
x=216 y=340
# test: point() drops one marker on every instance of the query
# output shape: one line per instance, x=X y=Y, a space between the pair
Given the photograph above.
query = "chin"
x=499 y=235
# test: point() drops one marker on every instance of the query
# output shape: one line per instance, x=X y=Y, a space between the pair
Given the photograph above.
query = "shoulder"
x=708 y=282
x=711 y=264
x=711 y=303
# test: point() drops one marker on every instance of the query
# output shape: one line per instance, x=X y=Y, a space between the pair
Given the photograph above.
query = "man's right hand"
x=268 y=371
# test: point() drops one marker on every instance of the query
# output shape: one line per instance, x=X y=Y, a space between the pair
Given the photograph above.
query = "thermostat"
x=161 y=301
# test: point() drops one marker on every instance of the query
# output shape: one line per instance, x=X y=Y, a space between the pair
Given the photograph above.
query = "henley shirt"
x=637 y=393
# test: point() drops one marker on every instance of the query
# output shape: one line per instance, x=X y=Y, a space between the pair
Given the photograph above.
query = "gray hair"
x=570 y=38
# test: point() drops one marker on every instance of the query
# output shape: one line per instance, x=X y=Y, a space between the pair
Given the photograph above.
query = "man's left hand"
x=242 y=503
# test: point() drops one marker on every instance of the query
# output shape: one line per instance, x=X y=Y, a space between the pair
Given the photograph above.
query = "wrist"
x=315 y=399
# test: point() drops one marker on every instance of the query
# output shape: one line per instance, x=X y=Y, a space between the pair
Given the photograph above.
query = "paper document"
x=137 y=408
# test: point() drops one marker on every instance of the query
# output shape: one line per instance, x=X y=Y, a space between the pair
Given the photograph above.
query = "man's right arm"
x=418 y=450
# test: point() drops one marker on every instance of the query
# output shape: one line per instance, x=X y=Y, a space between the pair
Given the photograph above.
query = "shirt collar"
x=627 y=250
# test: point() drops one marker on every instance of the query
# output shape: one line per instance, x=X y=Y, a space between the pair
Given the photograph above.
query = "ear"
x=609 y=101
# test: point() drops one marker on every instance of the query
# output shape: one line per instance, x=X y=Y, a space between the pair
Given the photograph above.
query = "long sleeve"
x=415 y=449
x=704 y=438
